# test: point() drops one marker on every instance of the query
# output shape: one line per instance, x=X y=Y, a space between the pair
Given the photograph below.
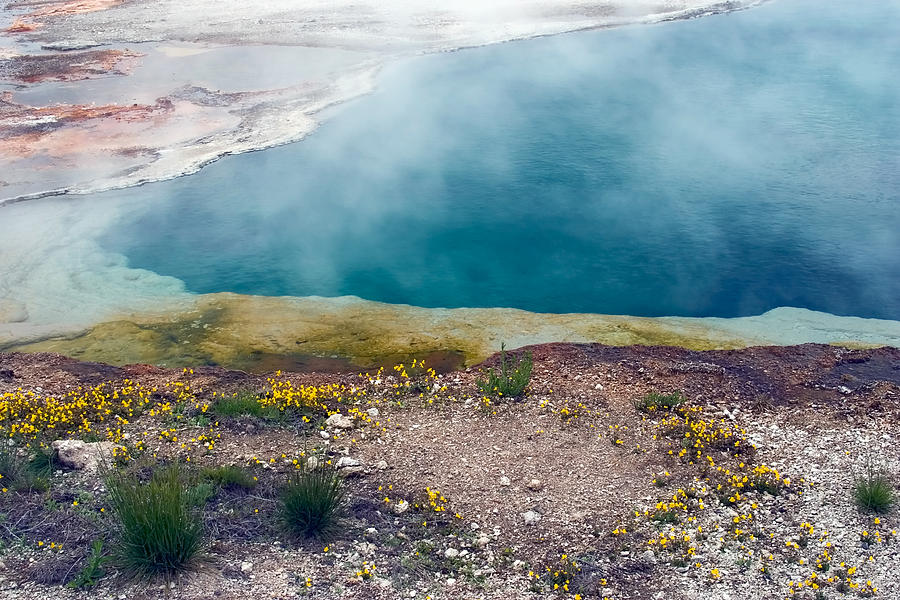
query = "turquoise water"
x=716 y=167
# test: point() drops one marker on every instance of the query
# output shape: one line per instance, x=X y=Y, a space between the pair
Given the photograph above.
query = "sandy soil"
x=47 y=42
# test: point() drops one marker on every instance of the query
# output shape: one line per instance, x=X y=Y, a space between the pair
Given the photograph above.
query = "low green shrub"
x=311 y=501
x=513 y=378
x=160 y=530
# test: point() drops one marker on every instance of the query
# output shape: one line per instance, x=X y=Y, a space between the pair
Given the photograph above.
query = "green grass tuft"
x=24 y=475
x=311 y=501
x=513 y=378
x=161 y=532
x=244 y=404
x=229 y=477
x=873 y=491
x=653 y=402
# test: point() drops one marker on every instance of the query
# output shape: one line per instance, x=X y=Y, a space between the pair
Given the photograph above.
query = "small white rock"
x=345 y=462
x=401 y=507
x=505 y=482
x=80 y=455
x=451 y=553
x=531 y=517
x=324 y=434
x=535 y=485
x=246 y=567
x=340 y=421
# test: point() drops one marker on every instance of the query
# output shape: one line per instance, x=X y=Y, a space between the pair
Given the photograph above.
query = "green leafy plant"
x=873 y=491
x=93 y=570
x=653 y=402
x=311 y=501
x=160 y=530
x=229 y=477
x=513 y=378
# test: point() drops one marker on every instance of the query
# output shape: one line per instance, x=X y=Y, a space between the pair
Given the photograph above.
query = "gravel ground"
x=574 y=469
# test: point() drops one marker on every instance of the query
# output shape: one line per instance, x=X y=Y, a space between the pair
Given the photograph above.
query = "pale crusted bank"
x=262 y=333
x=155 y=128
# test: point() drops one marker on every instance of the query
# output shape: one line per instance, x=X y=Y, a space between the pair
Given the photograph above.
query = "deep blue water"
x=716 y=167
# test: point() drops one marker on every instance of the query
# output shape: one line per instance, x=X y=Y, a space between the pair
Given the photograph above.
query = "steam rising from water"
x=696 y=168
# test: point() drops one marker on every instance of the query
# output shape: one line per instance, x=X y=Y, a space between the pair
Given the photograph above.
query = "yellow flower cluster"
x=696 y=434
x=842 y=582
x=677 y=544
x=366 y=571
x=52 y=546
x=35 y=418
x=877 y=536
x=436 y=500
x=283 y=394
x=559 y=577
x=614 y=431
x=417 y=379
x=570 y=413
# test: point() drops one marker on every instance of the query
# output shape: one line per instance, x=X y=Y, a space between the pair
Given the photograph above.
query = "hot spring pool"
x=719 y=167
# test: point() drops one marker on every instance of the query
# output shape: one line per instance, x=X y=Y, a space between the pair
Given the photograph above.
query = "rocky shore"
x=574 y=490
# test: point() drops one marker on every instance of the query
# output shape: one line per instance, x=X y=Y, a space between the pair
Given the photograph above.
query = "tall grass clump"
x=161 y=532
x=513 y=378
x=311 y=501
x=873 y=491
